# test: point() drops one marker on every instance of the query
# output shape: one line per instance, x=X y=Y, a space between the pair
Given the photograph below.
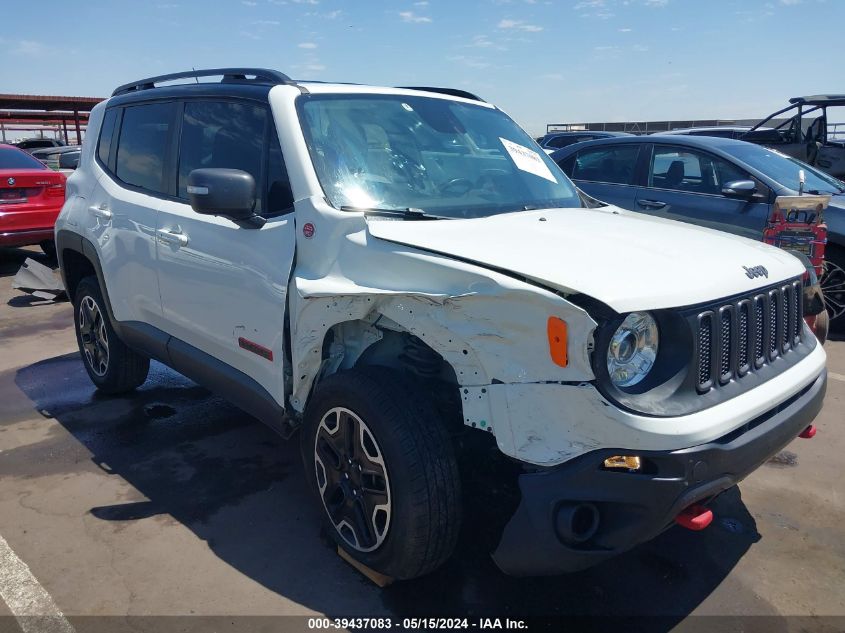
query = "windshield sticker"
x=527 y=160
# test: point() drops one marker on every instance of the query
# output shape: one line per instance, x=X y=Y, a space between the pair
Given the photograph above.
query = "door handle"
x=101 y=211
x=651 y=204
x=169 y=237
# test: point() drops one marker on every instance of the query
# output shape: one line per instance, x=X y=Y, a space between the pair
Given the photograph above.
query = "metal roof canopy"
x=820 y=100
x=43 y=111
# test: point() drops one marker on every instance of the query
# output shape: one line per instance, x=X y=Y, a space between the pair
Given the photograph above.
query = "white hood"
x=629 y=261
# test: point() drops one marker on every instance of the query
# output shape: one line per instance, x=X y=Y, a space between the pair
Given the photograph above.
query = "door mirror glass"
x=220 y=191
x=739 y=188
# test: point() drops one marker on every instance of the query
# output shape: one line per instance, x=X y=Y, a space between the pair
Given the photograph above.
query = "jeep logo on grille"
x=756 y=271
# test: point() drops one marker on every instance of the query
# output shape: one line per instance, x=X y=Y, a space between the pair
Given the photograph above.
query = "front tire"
x=111 y=365
x=383 y=469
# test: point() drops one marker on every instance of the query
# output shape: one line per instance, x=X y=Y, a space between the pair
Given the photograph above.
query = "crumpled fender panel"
x=489 y=327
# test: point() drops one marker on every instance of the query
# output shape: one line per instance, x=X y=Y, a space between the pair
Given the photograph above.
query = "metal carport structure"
x=43 y=113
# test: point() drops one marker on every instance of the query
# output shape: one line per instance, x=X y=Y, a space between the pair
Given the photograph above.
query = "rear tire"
x=405 y=504
x=111 y=365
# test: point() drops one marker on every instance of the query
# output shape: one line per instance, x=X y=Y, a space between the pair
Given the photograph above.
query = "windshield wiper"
x=408 y=213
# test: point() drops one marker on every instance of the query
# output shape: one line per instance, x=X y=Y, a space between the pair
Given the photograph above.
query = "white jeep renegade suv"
x=403 y=272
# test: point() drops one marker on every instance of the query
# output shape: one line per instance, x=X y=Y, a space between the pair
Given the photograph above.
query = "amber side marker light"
x=556 y=329
x=623 y=462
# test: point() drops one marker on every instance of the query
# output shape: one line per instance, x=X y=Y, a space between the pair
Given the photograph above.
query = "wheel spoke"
x=359 y=518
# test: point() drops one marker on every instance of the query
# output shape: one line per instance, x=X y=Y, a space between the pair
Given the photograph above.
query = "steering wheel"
x=456 y=187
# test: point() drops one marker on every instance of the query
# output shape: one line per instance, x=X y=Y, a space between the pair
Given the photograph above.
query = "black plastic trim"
x=230 y=75
x=636 y=507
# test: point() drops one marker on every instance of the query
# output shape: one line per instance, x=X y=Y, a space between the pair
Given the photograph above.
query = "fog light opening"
x=576 y=522
x=630 y=463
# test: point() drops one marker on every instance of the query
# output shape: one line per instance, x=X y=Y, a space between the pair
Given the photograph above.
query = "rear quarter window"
x=106 y=135
x=614 y=164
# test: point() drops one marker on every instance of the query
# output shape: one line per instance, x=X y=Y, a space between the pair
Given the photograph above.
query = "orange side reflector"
x=557 y=341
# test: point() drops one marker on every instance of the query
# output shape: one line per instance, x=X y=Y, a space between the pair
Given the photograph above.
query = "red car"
x=31 y=196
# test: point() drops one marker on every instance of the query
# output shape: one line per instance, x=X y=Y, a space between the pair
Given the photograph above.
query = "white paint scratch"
x=28 y=601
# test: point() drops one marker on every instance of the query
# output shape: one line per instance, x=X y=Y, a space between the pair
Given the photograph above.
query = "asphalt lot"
x=173 y=502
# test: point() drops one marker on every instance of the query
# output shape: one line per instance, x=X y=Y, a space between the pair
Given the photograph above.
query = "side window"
x=106 y=134
x=609 y=163
x=279 y=194
x=142 y=146
x=222 y=134
x=681 y=170
x=693 y=171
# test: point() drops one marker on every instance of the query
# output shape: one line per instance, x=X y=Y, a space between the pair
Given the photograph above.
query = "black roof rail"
x=230 y=75
x=454 y=92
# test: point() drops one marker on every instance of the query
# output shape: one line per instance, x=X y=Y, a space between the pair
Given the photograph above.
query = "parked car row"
x=31 y=196
x=29 y=144
x=718 y=183
x=64 y=159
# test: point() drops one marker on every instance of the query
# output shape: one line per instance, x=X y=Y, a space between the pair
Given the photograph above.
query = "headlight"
x=632 y=350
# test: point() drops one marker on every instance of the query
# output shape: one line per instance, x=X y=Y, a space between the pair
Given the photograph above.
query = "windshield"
x=447 y=158
x=783 y=169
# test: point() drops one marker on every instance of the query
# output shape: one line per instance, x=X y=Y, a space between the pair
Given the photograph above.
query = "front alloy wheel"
x=380 y=460
x=94 y=337
x=352 y=479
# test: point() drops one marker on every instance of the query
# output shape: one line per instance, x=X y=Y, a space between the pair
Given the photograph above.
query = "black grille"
x=725 y=345
x=704 y=349
x=743 y=343
x=734 y=343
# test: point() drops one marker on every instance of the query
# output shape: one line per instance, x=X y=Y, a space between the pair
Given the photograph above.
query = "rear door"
x=686 y=184
x=606 y=172
x=224 y=286
x=121 y=217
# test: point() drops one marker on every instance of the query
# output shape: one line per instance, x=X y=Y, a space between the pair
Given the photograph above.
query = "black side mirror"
x=739 y=189
x=226 y=192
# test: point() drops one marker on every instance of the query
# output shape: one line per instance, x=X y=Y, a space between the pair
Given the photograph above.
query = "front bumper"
x=636 y=507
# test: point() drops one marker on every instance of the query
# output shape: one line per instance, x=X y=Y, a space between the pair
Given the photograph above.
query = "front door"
x=224 y=286
x=685 y=184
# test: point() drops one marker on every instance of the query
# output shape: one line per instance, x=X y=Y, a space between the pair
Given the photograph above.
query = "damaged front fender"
x=490 y=328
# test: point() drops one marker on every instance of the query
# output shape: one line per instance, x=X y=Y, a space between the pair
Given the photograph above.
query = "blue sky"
x=543 y=61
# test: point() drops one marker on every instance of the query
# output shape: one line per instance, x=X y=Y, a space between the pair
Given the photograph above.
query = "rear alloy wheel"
x=93 y=336
x=352 y=479
x=111 y=365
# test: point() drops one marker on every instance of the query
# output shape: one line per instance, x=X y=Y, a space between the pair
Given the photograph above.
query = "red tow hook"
x=696 y=517
x=809 y=432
